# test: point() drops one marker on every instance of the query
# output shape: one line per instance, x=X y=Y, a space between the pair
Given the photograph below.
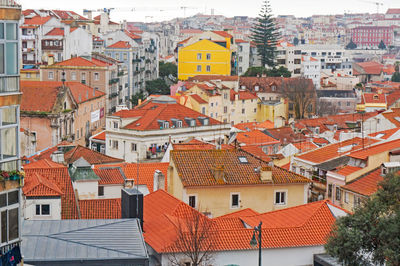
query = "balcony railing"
x=9 y=84
x=28 y=62
x=10 y=3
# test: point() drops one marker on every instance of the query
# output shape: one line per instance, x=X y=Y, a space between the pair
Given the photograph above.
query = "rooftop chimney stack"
x=219 y=174
x=159 y=180
x=266 y=174
x=132 y=204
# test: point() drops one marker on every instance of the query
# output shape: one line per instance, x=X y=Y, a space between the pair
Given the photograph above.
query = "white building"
x=289 y=56
x=311 y=69
x=144 y=132
x=243 y=56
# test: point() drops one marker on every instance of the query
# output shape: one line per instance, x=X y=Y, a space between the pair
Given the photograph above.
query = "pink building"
x=371 y=36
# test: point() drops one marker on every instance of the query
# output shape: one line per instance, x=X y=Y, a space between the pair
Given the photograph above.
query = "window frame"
x=285 y=193
x=100 y=188
x=232 y=194
x=41 y=209
x=195 y=196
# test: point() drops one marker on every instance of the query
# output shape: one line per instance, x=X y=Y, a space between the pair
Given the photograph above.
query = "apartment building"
x=10 y=98
x=243 y=56
x=290 y=57
x=371 y=36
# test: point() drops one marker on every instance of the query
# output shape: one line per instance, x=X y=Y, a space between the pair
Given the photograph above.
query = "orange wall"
x=40 y=125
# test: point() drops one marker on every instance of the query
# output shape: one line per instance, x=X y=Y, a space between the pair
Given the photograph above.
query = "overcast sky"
x=149 y=10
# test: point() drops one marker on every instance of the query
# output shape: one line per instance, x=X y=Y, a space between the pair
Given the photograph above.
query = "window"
x=199 y=56
x=133 y=146
x=96 y=76
x=179 y=123
x=243 y=159
x=235 y=200
x=73 y=75
x=338 y=194
x=50 y=75
x=192 y=201
x=203 y=110
x=208 y=68
x=240 y=59
x=115 y=124
x=101 y=191
x=166 y=124
x=329 y=190
x=280 y=197
x=83 y=76
x=225 y=109
x=125 y=56
x=208 y=56
x=42 y=209
x=243 y=110
x=115 y=144
x=346 y=197
x=255 y=110
x=198 y=68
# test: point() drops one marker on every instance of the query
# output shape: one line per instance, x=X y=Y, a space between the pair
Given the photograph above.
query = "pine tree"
x=265 y=35
x=382 y=45
x=351 y=45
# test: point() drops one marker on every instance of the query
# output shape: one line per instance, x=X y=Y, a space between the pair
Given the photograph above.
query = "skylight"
x=243 y=159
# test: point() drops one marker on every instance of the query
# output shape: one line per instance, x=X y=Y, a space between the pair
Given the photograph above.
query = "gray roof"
x=82 y=240
x=332 y=164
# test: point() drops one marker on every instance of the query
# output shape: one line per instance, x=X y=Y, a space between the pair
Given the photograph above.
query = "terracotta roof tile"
x=196 y=167
x=46 y=154
x=37 y=20
x=38 y=186
x=257 y=152
x=151 y=112
x=223 y=34
x=120 y=45
x=255 y=137
x=368 y=151
x=371 y=98
x=347 y=170
x=100 y=136
x=59 y=176
x=110 y=175
x=385 y=134
x=367 y=184
x=81 y=62
x=91 y=156
x=44 y=163
x=393 y=115
x=100 y=209
x=197 y=98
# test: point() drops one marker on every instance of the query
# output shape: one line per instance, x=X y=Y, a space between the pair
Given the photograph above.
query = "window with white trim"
x=133 y=146
x=9 y=137
x=235 y=200
x=192 y=201
x=43 y=209
x=50 y=75
x=9 y=213
x=96 y=76
x=280 y=197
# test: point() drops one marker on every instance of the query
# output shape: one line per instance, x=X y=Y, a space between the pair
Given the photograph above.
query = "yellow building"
x=224 y=181
x=274 y=111
x=204 y=57
x=30 y=74
x=371 y=102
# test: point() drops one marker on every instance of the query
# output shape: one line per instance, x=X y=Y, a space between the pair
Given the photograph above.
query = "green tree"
x=351 y=45
x=166 y=69
x=157 y=86
x=273 y=72
x=137 y=96
x=295 y=41
x=382 y=45
x=265 y=35
x=371 y=236
x=396 y=74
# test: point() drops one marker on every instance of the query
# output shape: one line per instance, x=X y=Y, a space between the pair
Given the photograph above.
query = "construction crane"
x=373 y=2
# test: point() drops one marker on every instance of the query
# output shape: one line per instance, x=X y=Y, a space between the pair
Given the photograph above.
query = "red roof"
x=121 y=45
x=146 y=172
x=241 y=41
x=37 y=20
x=371 y=98
x=367 y=184
x=59 y=176
x=58 y=31
x=67 y=14
x=223 y=33
x=371 y=67
x=81 y=92
x=100 y=136
x=81 y=62
x=198 y=99
x=347 y=170
x=372 y=150
x=335 y=150
x=385 y=134
x=43 y=163
x=257 y=152
x=305 y=225
x=100 y=209
x=393 y=115
x=91 y=156
x=110 y=175
x=150 y=112
x=38 y=186
x=305 y=146
x=132 y=35
x=255 y=137
x=391 y=11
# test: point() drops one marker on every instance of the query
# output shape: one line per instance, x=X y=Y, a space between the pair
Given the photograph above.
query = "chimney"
x=159 y=180
x=50 y=60
x=132 y=204
x=219 y=174
x=266 y=174
x=57 y=156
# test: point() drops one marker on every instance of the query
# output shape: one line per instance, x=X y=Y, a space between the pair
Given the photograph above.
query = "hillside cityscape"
x=200 y=140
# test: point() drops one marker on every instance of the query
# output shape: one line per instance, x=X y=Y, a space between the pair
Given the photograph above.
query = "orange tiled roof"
x=46 y=154
x=100 y=209
x=81 y=62
x=83 y=93
x=100 y=136
x=347 y=170
x=38 y=96
x=304 y=225
x=257 y=152
x=38 y=186
x=195 y=168
x=150 y=112
x=335 y=150
x=371 y=67
x=202 y=78
x=367 y=184
x=37 y=20
x=371 y=98
x=305 y=146
x=372 y=150
x=146 y=172
x=255 y=137
x=385 y=134
x=58 y=31
x=120 y=44
x=44 y=163
x=59 y=176
x=110 y=175
x=393 y=115
x=91 y=156
x=132 y=36
x=198 y=99
x=223 y=33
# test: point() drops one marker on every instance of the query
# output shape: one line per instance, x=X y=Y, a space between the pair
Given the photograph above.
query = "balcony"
x=52 y=45
x=28 y=62
x=114 y=80
x=28 y=50
x=9 y=84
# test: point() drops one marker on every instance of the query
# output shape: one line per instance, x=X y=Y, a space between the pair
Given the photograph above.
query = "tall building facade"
x=10 y=97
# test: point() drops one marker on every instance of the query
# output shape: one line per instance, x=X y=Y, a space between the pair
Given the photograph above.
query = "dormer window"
x=316 y=130
x=376 y=97
x=179 y=123
x=166 y=124
x=256 y=88
x=273 y=88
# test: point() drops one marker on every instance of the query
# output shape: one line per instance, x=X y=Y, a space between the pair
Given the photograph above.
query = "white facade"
x=289 y=56
x=30 y=206
x=271 y=257
x=243 y=57
x=111 y=191
x=87 y=189
x=311 y=69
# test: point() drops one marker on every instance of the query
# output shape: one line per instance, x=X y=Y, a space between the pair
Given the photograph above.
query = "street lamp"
x=254 y=241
